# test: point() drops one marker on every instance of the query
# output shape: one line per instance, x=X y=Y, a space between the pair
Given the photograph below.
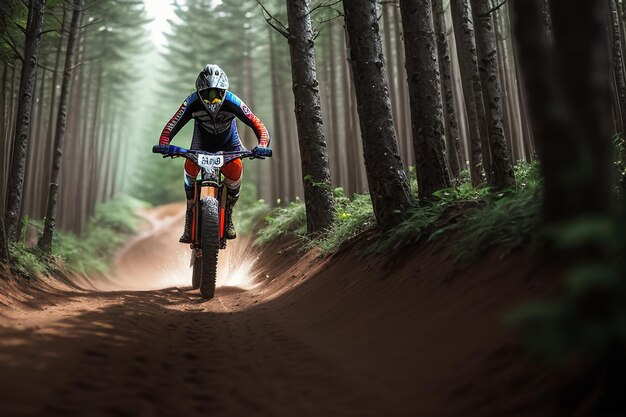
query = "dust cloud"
x=156 y=260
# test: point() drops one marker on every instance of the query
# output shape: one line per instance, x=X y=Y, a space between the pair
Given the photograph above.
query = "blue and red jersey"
x=214 y=131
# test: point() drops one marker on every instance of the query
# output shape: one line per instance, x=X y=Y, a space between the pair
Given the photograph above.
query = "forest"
x=439 y=228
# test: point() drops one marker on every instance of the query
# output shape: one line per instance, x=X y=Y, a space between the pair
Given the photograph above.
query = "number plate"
x=210 y=161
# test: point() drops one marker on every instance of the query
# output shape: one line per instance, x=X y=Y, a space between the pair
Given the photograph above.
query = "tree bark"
x=568 y=103
x=501 y=175
x=422 y=67
x=618 y=61
x=59 y=140
x=466 y=48
x=443 y=51
x=15 y=183
x=318 y=195
x=386 y=178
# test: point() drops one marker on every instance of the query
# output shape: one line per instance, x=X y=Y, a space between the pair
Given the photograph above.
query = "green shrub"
x=27 y=262
x=105 y=232
x=511 y=221
x=352 y=217
x=117 y=214
x=505 y=219
x=421 y=219
x=283 y=221
x=248 y=218
x=250 y=210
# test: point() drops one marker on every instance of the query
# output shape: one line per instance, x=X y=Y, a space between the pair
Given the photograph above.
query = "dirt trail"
x=333 y=337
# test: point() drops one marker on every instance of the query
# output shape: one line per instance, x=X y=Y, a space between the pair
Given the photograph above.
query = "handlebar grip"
x=170 y=150
x=263 y=152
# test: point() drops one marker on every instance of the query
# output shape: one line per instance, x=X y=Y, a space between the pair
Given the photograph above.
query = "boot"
x=186 y=237
x=231 y=199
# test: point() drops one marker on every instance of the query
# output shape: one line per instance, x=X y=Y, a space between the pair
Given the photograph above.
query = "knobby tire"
x=210 y=239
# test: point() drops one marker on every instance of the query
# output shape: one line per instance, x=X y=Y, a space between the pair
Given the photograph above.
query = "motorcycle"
x=208 y=210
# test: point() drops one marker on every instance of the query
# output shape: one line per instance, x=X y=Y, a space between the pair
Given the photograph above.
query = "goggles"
x=212 y=95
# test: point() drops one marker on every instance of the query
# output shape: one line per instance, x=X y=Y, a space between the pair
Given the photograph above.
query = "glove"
x=261 y=151
x=164 y=148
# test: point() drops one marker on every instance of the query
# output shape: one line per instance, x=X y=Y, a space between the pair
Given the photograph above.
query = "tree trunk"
x=15 y=183
x=422 y=67
x=71 y=178
x=5 y=158
x=466 y=49
x=403 y=129
x=30 y=177
x=568 y=102
x=280 y=170
x=443 y=55
x=386 y=178
x=349 y=129
x=276 y=111
x=59 y=140
x=3 y=134
x=387 y=37
x=38 y=173
x=318 y=195
x=4 y=244
x=325 y=40
x=618 y=62
x=338 y=163
x=49 y=143
x=502 y=175
x=3 y=101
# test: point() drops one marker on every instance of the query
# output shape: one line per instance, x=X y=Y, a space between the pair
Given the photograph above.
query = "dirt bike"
x=209 y=208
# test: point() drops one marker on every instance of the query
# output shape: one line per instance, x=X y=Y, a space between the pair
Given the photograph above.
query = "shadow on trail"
x=297 y=335
x=167 y=353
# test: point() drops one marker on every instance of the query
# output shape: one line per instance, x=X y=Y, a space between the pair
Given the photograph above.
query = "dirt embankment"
x=286 y=335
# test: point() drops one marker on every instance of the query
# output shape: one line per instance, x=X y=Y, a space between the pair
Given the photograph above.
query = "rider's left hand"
x=165 y=148
x=261 y=152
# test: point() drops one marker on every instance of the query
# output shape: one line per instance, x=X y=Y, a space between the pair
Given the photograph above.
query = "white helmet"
x=211 y=86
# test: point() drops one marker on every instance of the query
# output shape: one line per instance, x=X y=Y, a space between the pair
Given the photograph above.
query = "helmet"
x=211 y=86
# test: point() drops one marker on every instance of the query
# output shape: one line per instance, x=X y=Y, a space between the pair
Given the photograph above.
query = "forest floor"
x=287 y=334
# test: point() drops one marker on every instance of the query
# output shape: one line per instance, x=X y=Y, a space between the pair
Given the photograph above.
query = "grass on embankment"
x=106 y=231
x=484 y=218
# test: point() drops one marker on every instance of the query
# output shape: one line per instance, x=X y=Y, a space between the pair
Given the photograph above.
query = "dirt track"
x=338 y=337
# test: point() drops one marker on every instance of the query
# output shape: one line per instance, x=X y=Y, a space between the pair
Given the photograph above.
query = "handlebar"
x=176 y=151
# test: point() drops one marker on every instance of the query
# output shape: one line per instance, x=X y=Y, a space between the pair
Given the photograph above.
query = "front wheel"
x=210 y=241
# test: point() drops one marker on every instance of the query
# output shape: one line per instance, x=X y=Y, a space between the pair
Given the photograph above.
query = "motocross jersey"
x=214 y=131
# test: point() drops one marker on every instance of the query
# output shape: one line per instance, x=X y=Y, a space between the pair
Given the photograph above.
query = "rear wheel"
x=210 y=240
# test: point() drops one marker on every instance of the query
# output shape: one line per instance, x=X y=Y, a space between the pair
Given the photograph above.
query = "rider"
x=214 y=109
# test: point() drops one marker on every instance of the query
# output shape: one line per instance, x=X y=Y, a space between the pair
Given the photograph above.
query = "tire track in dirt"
x=168 y=352
x=305 y=336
